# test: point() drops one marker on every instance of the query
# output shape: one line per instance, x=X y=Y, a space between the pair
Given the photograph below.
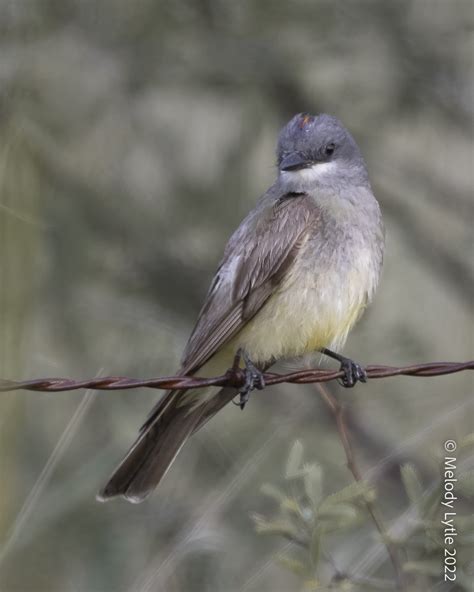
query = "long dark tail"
x=161 y=438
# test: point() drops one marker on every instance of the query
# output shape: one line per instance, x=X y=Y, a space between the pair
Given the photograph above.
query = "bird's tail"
x=165 y=432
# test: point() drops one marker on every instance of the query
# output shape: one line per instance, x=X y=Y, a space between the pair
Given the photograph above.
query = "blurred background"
x=134 y=137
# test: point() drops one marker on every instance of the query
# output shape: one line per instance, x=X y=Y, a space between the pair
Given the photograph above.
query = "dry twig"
x=338 y=412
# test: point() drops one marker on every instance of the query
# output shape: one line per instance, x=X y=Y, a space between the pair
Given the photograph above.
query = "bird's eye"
x=329 y=150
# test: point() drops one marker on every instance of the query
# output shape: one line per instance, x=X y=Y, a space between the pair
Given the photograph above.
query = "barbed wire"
x=234 y=377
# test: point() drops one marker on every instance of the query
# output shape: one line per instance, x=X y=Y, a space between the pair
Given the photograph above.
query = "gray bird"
x=295 y=277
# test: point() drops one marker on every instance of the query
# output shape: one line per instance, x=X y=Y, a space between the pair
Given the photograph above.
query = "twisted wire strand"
x=234 y=377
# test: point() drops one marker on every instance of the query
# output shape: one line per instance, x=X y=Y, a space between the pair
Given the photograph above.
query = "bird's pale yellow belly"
x=309 y=311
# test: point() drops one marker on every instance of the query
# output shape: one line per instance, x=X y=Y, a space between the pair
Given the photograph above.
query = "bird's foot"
x=353 y=372
x=253 y=380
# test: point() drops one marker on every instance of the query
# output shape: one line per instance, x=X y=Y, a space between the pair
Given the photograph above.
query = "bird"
x=295 y=277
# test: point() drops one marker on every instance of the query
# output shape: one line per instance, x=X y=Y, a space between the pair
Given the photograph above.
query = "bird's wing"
x=256 y=258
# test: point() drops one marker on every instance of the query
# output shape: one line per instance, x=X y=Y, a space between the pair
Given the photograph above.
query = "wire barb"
x=234 y=377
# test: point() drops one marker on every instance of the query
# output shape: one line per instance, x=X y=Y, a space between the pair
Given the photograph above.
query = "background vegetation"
x=134 y=136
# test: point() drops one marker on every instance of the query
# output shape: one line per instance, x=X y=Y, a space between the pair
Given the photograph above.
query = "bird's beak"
x=294 y=162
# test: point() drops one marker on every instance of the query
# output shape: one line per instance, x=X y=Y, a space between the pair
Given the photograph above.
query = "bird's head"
x=315 y=150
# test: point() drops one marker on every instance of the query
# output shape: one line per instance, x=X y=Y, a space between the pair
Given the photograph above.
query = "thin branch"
x=338 y=412
x=234 y=377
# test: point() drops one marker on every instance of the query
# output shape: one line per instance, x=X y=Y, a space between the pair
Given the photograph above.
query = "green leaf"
x=313 y=485
x=289 y=504
x=275 y=527
x=412 y=484
x=338 y=510
x=313 y=585
x=357 y=491
x=294 y=461
x=340 y=516
x=271 y=491
x=294 y=565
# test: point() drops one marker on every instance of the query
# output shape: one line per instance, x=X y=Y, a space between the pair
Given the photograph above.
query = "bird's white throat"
x=308 y=177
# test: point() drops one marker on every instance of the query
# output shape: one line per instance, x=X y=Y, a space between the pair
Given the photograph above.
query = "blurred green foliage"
x=134 y=136
x=309 y=519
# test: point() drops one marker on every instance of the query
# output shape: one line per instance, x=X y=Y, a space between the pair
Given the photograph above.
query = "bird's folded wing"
x=257 y=257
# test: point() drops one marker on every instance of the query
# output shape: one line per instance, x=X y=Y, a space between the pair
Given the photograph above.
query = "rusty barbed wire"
x=234 y=377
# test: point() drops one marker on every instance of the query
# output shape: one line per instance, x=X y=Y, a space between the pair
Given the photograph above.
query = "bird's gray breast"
x=347 y=246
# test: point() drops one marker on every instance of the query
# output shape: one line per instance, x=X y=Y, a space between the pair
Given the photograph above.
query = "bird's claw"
x=353 y=373
x=253 y=380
